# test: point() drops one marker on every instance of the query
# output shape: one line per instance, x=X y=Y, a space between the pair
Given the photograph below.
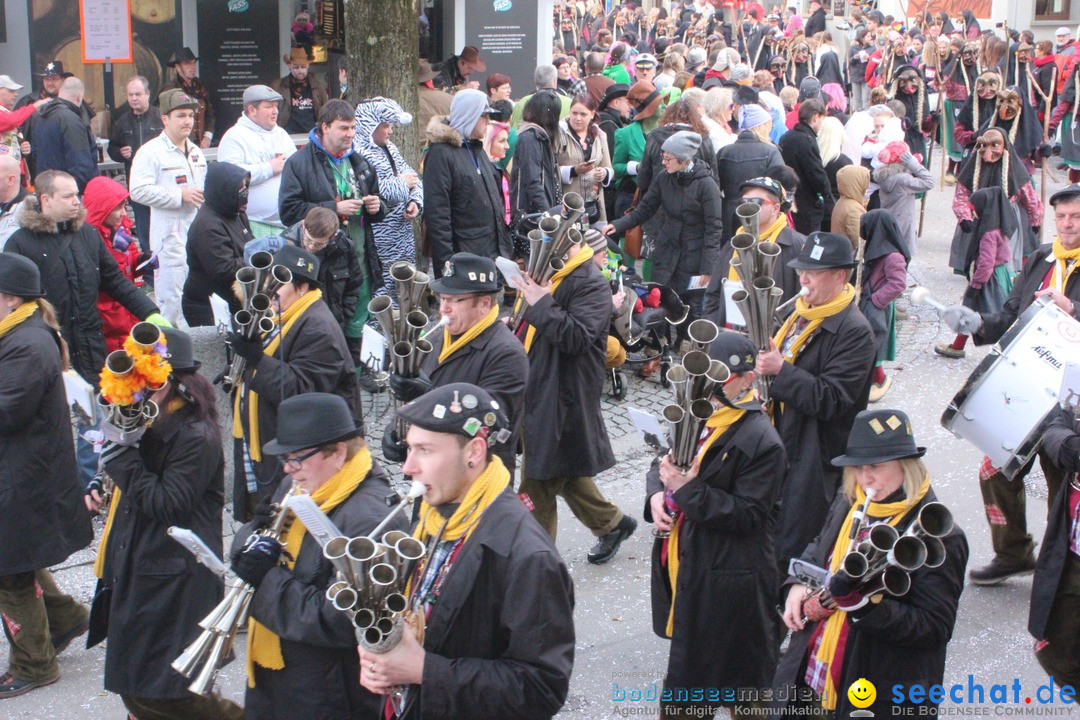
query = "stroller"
x=647 y=332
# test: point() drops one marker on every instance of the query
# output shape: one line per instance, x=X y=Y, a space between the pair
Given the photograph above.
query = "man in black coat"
x=613 y=113
x=340 y=276
x=770 y=196
x=745 y=159
x=216 y=240
x=723 y=510
x=44 y=518
x=308 y=354
x=464 y=207
x=800 y=151
x=327 y=173
x=500 y=632
x=1043 y=276
x=820 y=364
x=816 y=22
x=566 y=444
x=473 y=347
x=130 y=130
x=62 y=136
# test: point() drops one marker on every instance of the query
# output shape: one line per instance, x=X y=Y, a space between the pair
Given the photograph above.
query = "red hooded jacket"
x=101 y=197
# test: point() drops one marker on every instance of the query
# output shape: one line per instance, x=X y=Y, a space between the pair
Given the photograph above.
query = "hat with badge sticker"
x=302 y=264
x=458 y=409
x=467 y=274
x=735 y=350
x=879 y=436
x=824 y=251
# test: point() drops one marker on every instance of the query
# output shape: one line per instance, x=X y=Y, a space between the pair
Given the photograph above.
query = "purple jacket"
x=993 y=251
x=888 y=278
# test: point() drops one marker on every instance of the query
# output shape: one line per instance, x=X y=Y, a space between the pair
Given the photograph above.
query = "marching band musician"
x=172 y=474
x=306 y=353
x=567 y=445
x=473 y=347
x=717 y=561
x=497 y=597
x=301 y=656
x=821 y=363
x=1047 y=272
x=885 y=639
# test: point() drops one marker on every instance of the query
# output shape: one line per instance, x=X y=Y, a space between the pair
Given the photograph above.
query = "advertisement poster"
x=505 y=33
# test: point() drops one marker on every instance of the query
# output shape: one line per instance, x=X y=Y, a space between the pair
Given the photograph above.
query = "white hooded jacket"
x=252 y=147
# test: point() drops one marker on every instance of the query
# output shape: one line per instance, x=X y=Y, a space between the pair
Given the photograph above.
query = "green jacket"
x=519 y=108
x=619 y=74
x=629 y=147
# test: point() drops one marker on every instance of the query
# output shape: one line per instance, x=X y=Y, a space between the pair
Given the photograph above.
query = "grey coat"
x=898 y=184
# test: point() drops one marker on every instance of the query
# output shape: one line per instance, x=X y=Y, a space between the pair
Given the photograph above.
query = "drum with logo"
x=1004 y=407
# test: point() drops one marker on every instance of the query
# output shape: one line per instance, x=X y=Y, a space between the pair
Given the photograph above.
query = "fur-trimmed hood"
x=30 y=217
x=439 y=131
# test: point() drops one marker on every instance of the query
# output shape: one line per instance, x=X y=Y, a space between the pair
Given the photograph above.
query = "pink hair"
x=837 y=99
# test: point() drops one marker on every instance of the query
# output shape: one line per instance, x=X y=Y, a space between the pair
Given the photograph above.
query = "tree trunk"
x=382 y=38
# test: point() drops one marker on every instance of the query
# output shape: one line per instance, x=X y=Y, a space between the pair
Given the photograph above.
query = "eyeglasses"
x=293 y=464
x=314 y=245
x=455 y=299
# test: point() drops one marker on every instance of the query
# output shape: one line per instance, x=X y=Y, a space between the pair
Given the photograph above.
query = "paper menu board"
x=105 y=27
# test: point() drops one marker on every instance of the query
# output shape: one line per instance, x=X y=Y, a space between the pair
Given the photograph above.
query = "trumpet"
x=548 y=245
x=256 y=284
x=208 y=652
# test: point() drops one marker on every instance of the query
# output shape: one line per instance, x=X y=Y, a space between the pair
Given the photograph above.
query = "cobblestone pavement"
x=615 y=644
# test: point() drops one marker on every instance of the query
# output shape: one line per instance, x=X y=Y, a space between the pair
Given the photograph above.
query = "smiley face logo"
x=862 y=693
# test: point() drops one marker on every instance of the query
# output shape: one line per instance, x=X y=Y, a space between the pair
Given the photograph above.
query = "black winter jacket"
x=215 y=244
x=339 y=273
x=745 y=159
x=44 y=517
x=799 y=149
x=464 y=208
x=534 y=178
x=75 y=265
x=63 y=141
x=650 y=167
x=131 y=130
x=1026 y=284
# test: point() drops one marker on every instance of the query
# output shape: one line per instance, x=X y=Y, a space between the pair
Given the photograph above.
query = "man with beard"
x=184 y=65
x=910 y=89
x=303 y=95
x=959 y=85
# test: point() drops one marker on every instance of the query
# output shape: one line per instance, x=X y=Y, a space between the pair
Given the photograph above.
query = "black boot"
x=998 y=571
x=607 y=545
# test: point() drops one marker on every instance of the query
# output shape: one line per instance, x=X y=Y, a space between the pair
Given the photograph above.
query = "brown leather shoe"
x=649 y=367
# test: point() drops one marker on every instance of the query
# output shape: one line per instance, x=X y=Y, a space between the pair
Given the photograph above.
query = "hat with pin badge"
x=879 y=436
x=458 y=409
x=467 y=274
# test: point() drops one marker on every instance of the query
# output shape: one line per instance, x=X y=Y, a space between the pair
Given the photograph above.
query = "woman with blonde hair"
x=830 y=140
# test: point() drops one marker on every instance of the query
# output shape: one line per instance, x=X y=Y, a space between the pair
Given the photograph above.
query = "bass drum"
x=145 y=63
x=1004 y=407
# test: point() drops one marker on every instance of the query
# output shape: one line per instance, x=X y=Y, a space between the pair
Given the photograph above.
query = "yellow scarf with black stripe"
x=720 y=422
x=449 y=348
x=584 y=255
x=815 y=316
x=264 y=646
x=288 y=319
x=769 y=235
x=1066 y=263
x=18 y=316
x=895 y=511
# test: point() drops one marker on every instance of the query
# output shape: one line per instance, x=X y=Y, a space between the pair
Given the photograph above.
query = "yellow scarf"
x=769 y=235
x=99 y=562
x=18 y=316
x=288 y=319
x=720 y=421
x=449 y=348
x=583 y=256
x=895 y=511
x=816 y=315
x=264 y=646
x=483 y=492
x=1064 y=257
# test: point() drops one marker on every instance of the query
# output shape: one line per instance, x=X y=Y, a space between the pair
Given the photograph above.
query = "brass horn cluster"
x=758 y=299
x=142 y=410
x=402 y=327
x=694 y=382
x=549 y=244
x=208 y=652
x=256 y=284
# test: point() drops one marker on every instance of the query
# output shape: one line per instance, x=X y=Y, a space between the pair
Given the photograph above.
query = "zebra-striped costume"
x=394 y=237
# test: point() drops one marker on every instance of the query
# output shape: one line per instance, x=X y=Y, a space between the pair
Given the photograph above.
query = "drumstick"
x=922 y=296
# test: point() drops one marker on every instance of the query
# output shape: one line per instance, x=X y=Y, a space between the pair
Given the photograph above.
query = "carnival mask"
x=969 y=55
x=987 y=86
x=991 y=146
x=1008 y=104
x=800 y=54
x=908 y=83
x=1023 y=53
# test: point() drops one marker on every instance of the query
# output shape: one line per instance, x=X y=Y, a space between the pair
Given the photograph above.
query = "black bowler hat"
x=181 y=55
x=459 y=409
x=1066 y=193
x=734 y=350
x=465 y=274
x=302 y=264
x=879 y=436
x=181 y=351
x=824 y=251
x=311 y=420
x=19 y=276
x=613 y=92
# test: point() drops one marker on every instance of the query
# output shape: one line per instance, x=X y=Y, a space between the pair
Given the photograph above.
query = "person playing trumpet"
x=717 y=559
x=497 y=596
x=301 y=657
x=883 y=638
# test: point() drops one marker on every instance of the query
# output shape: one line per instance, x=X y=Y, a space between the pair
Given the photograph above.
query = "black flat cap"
x=302 y=264
x=735 y=350
x=824 y=251
x=458 y=409
x=1066 y=193
x=465 y=274
x=310 y=420
x=181 y=350
x=617 y=90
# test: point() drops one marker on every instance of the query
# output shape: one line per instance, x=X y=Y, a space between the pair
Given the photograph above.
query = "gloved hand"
x=250 y=350
x=264 y=514
x=962 y=320
x=258 y=556
x=814 y=611
x=967 y=225
x=158 y=319
x=1045 y=150
x=143 y=257
x=122 y=241
x=408 y=389
x=393 y=449
x=844 y=592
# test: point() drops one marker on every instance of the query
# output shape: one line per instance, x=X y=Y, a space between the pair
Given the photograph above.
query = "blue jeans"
x=85 y=457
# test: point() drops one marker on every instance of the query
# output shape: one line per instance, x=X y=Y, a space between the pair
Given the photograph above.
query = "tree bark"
x=382 y=38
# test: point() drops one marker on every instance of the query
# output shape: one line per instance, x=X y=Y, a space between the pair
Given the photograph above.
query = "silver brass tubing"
x=204 y=681
x=259 y=303
x=679 y=380
x=391 y=538
x=765 y=257
x=382 y=309
x=334 y=551
x=261 y=260
x=334 y=588
x=536 y=242
x=421 y=349
x=363 y=618
x=345 y=599
x=935 y=552
x=188 y=660
x=277 y=276
x=401 y=352
x=908 y=553
x=361 y=552
x=697 y=363
x=674 y=415
x=146 y=334
x=119 y=362
x=247 y=278
x=934 y=520
x=265 y=324
x=409 y=550
x=748 y=214
x=743 y=270
x=702 y=332
x=395 y=603
x=855 y=564
x=415 y=322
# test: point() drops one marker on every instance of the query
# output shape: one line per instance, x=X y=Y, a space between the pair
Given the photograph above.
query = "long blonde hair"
x=48 y=314
x=830 y=139
x=914 y=474
x=761 y=132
